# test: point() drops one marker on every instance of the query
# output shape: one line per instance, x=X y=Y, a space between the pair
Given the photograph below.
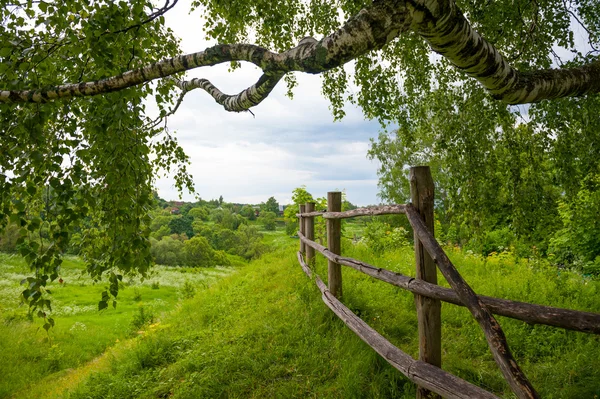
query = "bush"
x=497 y=241
x=141 y=318
x=267 y=219
x=199 y=252
x=188 y=290
x=250 y=245
x=578 y=242
x=167 y=251
x=182 y=225
x=380 y=236
x=200 y=213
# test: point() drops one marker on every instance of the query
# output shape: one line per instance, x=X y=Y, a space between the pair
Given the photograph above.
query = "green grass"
x=29 y=354
x=264 y=332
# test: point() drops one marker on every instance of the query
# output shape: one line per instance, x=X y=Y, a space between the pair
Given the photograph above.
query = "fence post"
x=301 y=227
x=309 y=232
x=334 y=234
x=428 y=310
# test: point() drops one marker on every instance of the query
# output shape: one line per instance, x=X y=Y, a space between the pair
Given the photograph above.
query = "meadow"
x=31 y=356
x=263 y=331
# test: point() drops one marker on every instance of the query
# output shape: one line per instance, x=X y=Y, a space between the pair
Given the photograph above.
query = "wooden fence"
x=426 y=372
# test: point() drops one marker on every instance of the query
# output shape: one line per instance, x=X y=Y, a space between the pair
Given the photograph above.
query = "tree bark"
x=439 y=22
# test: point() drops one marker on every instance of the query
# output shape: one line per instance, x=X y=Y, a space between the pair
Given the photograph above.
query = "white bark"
x=439 y=22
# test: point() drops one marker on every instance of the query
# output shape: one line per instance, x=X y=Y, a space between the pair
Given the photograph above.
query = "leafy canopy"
x=89 y=163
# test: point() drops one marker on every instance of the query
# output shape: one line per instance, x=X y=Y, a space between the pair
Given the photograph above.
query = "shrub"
x=578 y=242
x=267 y=219
x=188 y=290
x=141 y=318
x=380 y=236
x=200 y=253
x=167 y=251
x=182 y=225
x=199 y=213
x=250 y=242
x=497 y=241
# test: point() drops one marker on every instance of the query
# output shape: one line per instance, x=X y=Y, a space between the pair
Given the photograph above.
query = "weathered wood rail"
x=426 y=372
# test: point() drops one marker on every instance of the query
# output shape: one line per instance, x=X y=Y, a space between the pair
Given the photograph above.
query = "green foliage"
x=162 y=231
x=270 y=206
x=268 y=220
x=279 y=339
x=380 y=237
x=143 y=317
x=247 y=211
x=182 y=225
x=199 y=252
x=168 y=251
x=199 y=213
x=494 y=241
x=159 y=222
x=9 y=238
x=105 y=188
x=250 y=242
x=188 y=290
x=578 y=242
x=299 y=197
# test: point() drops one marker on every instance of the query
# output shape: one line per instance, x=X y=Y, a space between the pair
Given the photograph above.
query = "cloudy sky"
x=288 y=144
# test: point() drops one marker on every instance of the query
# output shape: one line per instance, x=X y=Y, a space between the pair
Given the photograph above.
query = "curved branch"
x=240 y=102
x=370 y=29
x=448 y=32
x=439 y=22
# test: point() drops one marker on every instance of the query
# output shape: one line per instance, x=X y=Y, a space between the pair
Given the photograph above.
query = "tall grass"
x=31 y=357
x=264 y=332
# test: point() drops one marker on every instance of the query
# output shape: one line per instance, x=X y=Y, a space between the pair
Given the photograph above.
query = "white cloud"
x=288 y=144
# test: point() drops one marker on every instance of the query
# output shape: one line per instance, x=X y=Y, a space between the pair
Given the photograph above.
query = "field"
x=30 y=355
x=263 y=331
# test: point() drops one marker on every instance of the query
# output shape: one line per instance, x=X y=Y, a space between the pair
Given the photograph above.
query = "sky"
x=288 y=144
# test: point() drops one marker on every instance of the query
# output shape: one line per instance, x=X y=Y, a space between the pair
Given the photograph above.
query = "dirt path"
x=59 y=385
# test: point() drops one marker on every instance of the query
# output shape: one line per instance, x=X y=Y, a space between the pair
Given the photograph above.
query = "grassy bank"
x=264 y=332
x=30 y=355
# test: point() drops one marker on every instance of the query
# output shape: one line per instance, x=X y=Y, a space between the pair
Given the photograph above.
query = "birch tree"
x=78 y=150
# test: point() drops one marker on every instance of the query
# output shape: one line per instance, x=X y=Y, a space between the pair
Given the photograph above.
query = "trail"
x=59 y=384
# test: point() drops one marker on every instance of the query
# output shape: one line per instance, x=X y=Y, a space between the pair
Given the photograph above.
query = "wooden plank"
x=368 y=211
x=334 y=236
x=530 y=313
x=311 y=214
x=309 y=231
x=494 y=335
x=429 y=315
x=421 y=373
x=301 y=227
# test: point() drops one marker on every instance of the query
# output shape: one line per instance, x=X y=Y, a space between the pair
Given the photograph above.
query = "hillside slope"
x=264 y=332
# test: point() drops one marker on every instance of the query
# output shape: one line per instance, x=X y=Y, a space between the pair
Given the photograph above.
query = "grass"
x=30 y=355
x=264 y=332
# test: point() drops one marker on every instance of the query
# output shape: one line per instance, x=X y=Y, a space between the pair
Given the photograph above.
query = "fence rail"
x=426 y=371
x=421 y=373
x=370 y=211
x=530 y=313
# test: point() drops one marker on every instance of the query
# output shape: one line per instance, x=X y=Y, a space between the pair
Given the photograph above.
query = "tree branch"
x=448 y=32
x=242 y=101
x=439 y=22
x=370 y=29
